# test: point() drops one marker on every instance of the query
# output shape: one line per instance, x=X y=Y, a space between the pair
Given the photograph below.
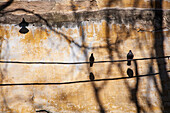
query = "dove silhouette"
x=91 y=59
x=129 y=57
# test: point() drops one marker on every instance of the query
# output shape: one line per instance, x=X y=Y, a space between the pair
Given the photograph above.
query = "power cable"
x=70 y=63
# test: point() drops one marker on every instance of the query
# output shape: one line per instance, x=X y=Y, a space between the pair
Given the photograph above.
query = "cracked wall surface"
x=70 y=32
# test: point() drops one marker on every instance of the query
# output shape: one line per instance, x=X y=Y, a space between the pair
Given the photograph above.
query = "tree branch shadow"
x=6 y=4
x=158 y=23
x=159 y=49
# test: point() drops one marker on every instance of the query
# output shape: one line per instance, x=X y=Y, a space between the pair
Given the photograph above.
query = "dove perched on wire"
x=91 y=59
x=91 y=76
x=129 y=57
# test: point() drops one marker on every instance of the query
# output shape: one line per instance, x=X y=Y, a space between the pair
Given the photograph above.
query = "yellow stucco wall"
x=42 y=44
x=74 y=42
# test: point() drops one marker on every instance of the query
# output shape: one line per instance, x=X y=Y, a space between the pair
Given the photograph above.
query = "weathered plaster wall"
x=73 y=41
x=45 y=45
x=88 y=4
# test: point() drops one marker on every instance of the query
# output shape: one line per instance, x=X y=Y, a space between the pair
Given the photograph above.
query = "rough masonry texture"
x=69 y=31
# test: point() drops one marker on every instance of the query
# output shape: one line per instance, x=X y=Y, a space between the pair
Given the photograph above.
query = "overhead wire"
x=70 y=63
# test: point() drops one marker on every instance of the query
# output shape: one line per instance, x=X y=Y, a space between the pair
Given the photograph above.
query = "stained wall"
x=74 y=41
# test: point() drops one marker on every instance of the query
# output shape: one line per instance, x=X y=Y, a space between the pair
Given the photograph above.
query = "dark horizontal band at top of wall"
x=116 y=15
